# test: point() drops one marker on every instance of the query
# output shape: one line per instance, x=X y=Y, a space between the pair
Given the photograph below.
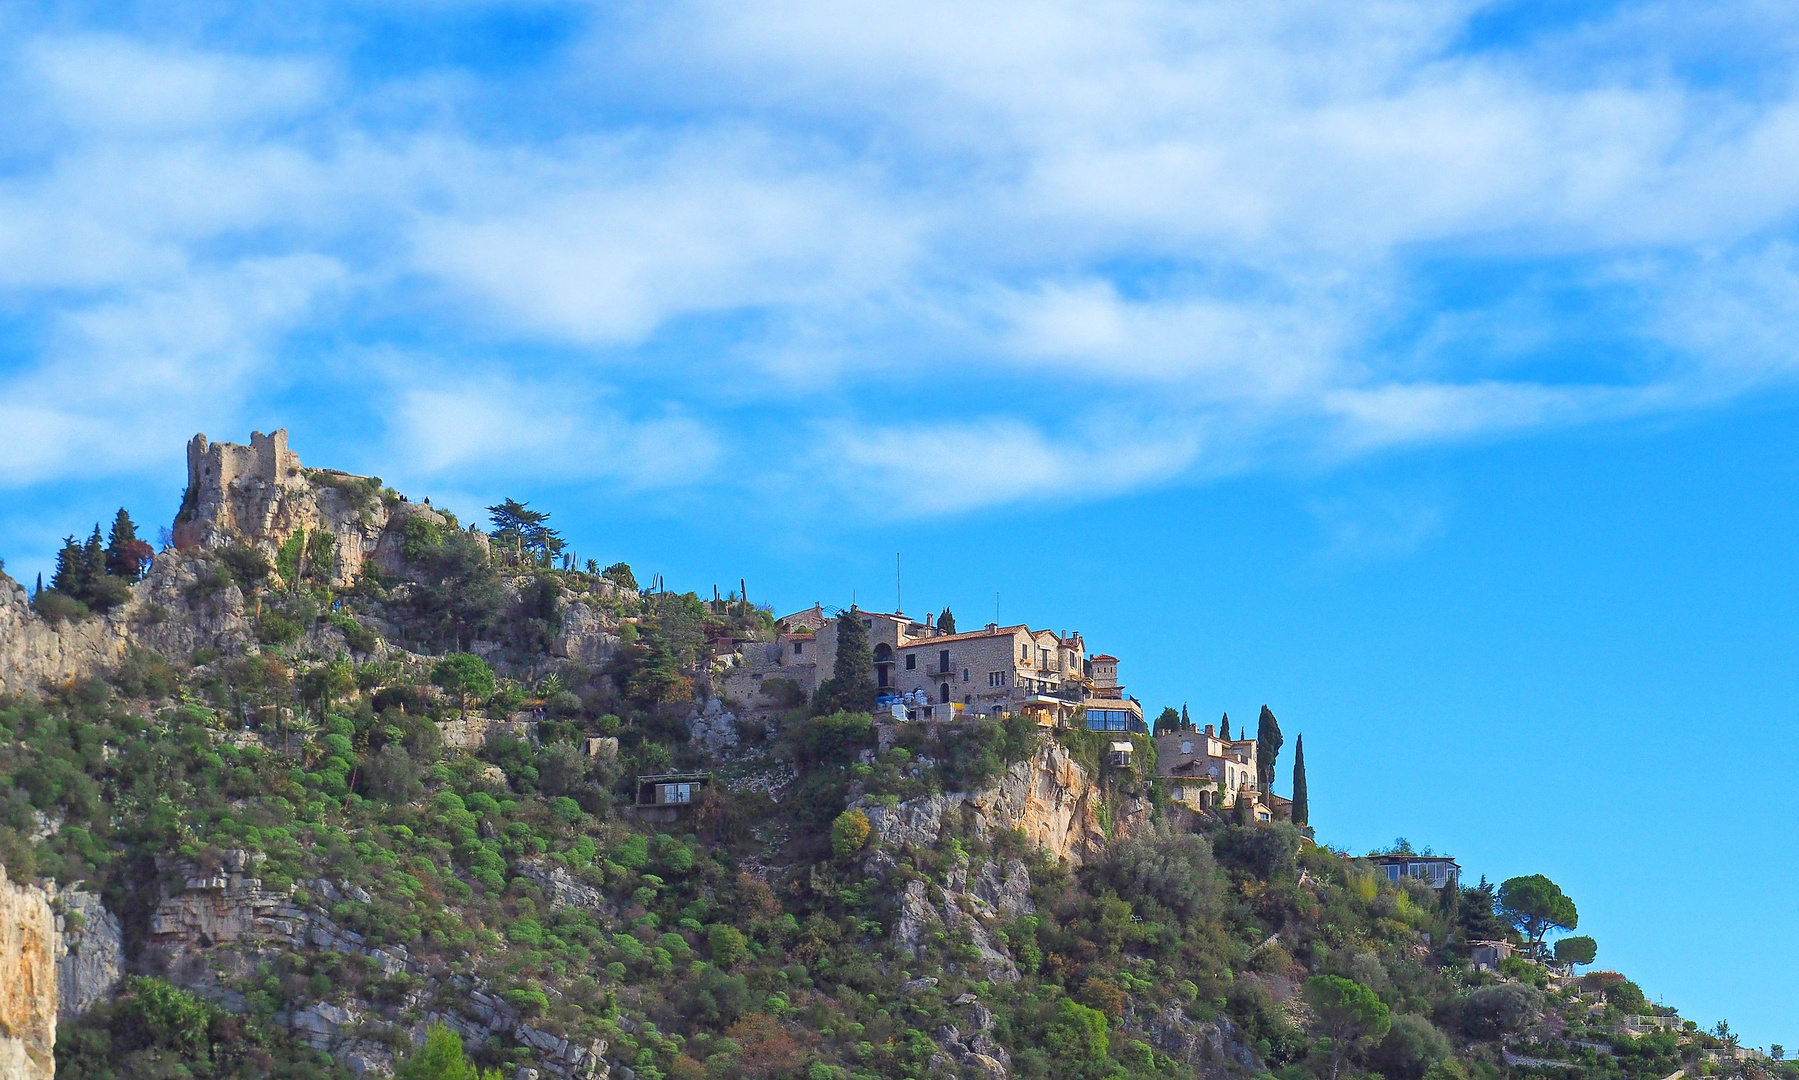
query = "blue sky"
x=1422 y=369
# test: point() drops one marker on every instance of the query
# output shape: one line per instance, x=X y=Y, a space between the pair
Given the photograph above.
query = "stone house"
x=924 y=674
x=1486 y=955
x=1204 y=772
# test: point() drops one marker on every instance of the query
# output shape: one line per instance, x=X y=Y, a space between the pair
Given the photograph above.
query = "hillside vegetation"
x=474 y=889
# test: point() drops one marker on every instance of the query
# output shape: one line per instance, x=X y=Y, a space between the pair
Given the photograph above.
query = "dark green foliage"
x=1349 y=1014
x=620 y=574
x=851 y=687
x=946 y=622
x=59 y=607
x=1411 y=1046
x=1480 y=920
x=1168 y=721
x=126 y=557
x=1536 y=905
x=519 y=528
x=248 y=566
x=1576 y=950
x=1505 y=1009
x=452 y=594
x=1224 y=726
x=1302 y=806
x=1261 y=850
x=441 y=1058
x=1268 y=748
x=157 y=1031
x=832 y=740
x=465 y=677
x=1165 y=868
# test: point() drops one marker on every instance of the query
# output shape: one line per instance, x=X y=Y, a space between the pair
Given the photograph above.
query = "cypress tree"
x=1301 y=811
x=946 y=622
x=93 y=562
x=1268 y=748
x=851 y=687
x=1224 y=727
x=1186 y=724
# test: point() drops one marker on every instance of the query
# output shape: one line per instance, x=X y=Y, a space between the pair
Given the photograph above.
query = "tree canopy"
x=946 y=622
x=851 y=687
x=1536 y=905
x=1576 y=950
x=1268 y=749
x=465 y=677
x=1349 y=1014
x=518 y=526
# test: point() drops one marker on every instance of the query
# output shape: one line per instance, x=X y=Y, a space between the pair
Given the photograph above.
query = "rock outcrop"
x=261 y=495
x=27 y=982
x=1048 y=797
x=90 y=952
x=34 y=651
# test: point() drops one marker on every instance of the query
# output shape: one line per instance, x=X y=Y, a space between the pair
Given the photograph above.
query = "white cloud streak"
x=1051 y=241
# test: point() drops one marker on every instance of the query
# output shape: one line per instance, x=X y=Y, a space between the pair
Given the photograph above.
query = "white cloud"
x=1147 y=219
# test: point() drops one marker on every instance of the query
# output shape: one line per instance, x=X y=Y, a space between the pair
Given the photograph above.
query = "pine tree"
x=126 y=555
x=1268 y=748
x=1301 y=811
x=1224 y=727
x=851 y=687
x=946 y=622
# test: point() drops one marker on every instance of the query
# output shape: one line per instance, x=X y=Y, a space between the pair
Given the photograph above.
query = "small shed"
x=663 y=796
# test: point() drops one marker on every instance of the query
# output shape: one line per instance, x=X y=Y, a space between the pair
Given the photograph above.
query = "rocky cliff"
x=27 y=982
x=1048 y=797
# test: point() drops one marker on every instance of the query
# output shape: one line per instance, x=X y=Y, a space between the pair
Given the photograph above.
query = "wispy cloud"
x=1078 y=249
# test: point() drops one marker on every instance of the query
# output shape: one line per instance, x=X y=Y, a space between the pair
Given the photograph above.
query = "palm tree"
x=307 y=727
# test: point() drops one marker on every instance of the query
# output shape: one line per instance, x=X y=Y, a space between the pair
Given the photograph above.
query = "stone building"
x=1204 y=772
x=924 y=674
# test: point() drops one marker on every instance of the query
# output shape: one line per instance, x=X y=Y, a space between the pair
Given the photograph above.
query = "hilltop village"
x=334 y=784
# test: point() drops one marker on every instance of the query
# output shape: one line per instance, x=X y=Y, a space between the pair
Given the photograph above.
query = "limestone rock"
x=27 y=982
x=90 y=952
x=584 y=636
x=714 y=730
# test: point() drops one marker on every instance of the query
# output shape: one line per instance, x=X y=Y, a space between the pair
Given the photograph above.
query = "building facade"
x=924 y=674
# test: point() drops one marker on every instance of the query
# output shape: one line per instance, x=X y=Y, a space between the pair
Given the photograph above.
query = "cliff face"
x=1048 y=797
x=27 y=982
x=33 y=651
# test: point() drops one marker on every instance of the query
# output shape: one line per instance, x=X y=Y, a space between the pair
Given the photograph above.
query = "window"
x=880 y=675
x=943 y=693
x=996 y=678
x=911 y=661
x=943 y=660
x=1186 y=746
x=798 y=647
x=964 y=674
x=1108 y=720
x=968 y=699
x=1024 y=653
x=674 y=793
x=1180 y=793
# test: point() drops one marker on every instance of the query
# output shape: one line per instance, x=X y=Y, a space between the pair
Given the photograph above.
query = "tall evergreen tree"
x=1268 y=749
x=518 y=526
x=946 y=622
x=1168 y=722
x=1302 y=811
x=1224 y=727
x=69 y=568
x=1186 y=722
x=126 y=555
x=93 y=561
x=851 y=687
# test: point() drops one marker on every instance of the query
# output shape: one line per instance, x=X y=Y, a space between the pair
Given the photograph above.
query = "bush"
x=833 y=740
x=1259 y=850
x=59 y=607
x=849 y=833
x=1172 y=869
x=1493 y=1011
x=1412 y=1045
x=728 y=945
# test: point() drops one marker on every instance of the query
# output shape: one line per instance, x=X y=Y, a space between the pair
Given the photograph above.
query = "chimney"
x=1212 y=730
x=927 y=620
x=992 y=626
